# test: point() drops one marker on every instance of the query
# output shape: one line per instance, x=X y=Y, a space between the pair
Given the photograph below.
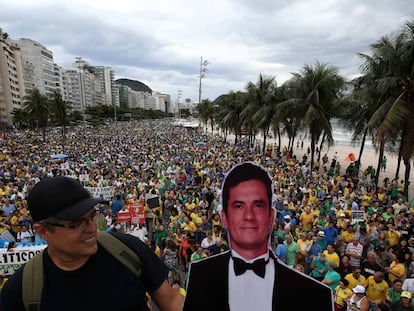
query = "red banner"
x=124 y=216
x=137 y=212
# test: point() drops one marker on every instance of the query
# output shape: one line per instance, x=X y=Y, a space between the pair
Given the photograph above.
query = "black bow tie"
x=258 y=266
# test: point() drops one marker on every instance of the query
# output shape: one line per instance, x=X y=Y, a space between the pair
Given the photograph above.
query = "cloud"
x=160 y=42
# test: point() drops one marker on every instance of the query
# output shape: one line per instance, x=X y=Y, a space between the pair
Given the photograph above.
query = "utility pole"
x=179 y=92
x=203 y=70
x=81 y=79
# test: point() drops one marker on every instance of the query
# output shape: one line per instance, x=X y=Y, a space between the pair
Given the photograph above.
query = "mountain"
x=134 y=85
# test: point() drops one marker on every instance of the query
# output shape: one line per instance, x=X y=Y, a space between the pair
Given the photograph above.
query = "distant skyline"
x=160 y=42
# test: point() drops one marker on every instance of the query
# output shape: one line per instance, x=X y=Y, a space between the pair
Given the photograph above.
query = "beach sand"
x=369 y=157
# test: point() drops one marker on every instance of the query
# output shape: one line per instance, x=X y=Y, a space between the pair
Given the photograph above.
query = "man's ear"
x=272 y=218
x=223 y=219
x=41 y=231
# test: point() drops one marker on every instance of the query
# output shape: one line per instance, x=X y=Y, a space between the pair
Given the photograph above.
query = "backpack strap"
x=120 y=251
x=32 y=283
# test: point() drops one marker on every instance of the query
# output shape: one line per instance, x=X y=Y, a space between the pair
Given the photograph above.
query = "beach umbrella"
x=59 y=156
x=200 y=144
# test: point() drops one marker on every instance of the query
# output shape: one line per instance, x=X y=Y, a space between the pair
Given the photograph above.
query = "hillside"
x=134 y=85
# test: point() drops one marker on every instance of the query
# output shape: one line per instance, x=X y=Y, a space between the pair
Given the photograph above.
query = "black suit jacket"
x=207 y=287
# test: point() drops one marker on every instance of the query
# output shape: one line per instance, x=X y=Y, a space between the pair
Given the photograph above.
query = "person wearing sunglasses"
x=79 y=274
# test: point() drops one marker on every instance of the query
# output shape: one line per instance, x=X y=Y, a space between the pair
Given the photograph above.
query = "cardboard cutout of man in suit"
x=249 y=276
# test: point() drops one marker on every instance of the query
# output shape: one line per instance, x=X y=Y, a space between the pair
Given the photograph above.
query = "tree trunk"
x=320 y=147
x=407 y=177
x=397 y=171
x=312 y=151
x=264 y=143
x=279 y=140
x=361 y=150
x=380 y=156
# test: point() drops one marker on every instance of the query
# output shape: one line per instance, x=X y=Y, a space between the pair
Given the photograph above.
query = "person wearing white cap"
x=358 y=301
x=288 y=226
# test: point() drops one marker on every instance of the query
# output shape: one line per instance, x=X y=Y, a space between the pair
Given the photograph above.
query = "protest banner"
x=11 y=261
x=137 y=209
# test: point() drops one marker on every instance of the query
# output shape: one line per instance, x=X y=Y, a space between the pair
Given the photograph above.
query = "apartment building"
x=41 y=59
x=11 y=79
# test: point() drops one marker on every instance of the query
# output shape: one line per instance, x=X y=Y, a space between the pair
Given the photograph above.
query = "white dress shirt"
x=249 y=291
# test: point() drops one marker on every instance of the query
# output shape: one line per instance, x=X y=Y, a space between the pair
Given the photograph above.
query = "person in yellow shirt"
x=195 y=217
x=348 y=234
x=312 y=197
x=355 y=278
x=331 y=255
x=392 y=234
x=216 y=221
x=341 y=294
x=307 y=219
x=342 y=222
x=188 y=225
x=366 y=198
x=315 y=211
x=304 y=245
x=377 y=288
x=190 y=205
x=397 y=269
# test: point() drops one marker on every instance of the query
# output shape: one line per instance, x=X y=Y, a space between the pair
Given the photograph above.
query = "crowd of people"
x=333 y=224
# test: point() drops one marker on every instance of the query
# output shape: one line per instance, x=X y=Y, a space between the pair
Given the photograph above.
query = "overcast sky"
x=160 y=42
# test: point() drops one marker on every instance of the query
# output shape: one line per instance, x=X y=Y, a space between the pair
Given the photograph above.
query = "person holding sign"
x=249 y=276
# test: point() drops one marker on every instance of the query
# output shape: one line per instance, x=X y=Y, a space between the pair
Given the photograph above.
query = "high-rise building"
x=105 y=79
x=41 y=59
x=11 y=79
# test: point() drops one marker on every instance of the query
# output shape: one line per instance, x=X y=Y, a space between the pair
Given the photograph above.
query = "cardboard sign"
x=358 y=216
x=153 y=202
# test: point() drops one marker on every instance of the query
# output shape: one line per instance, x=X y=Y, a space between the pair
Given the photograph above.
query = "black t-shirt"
x=103 y=283
x=368 y=269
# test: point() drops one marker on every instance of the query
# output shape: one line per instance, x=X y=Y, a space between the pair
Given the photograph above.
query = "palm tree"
x=393 y=58
x=316 y=92
x=20 y=117
x=205 y=111
x=228 y=116
x=60 y=112
x=38 y=108
x=260 y=106
x=358 y=108
x=286 y=120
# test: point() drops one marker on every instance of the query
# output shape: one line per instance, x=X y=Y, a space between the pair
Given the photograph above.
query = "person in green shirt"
x=332 y=277
x=292 y=251
x=198 y=254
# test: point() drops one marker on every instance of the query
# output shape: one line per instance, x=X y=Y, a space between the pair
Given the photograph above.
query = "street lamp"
x=203 y=70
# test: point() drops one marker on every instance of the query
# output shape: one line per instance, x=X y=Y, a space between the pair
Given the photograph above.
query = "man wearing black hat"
x=79 y=274
x=249 y=276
